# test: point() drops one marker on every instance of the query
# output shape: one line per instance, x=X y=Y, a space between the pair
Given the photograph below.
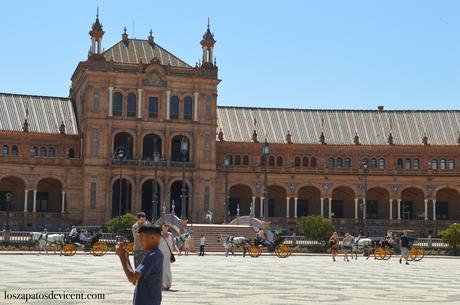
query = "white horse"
x=44 y=240
x=359 y=243
x=231 y=241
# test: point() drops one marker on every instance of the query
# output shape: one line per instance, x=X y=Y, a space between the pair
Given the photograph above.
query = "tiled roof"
x=45 y=114
x=133 y=51
x=408 y=127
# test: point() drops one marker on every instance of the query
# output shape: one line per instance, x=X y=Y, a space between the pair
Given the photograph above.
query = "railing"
x=151 y=164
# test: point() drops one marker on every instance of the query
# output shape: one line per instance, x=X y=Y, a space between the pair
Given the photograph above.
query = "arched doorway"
x=176 y=153
x=240 y=195
x=308 y=201
x=49 y=195
x=447 y=204
x=126 y=197
x=377 y=203
x=176 y=196
x=125 y=140
x=16 y=187
x=277 y=201
x=343 y=202
x=412 y=203
x=150 y=144
x=147 y=198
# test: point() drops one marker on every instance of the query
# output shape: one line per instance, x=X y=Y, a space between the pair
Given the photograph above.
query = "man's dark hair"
x=150 y=229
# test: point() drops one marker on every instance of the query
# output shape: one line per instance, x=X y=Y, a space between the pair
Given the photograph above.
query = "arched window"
x=117 y=106
x=42 y=151
x=347 y=162
x=187 y=108
x=5 y=150
x=297 y=161
x=399 y=163
x=153 y=107
x=271 y=161
x=262 y=161
x=14 y=150
x=313 y=162
x=382 y=163
x=373 y=163
x=416 y=164
x=408 y=164
x=245 y=160
x=34 y=151
x=71 y=153
x=279 y=161
x=451 y=164
x=237 y=160
x=124 y=140
x=174 y=108
x=52 y=152
x=176 y=149
x=434 y=164
x=442 y=164
x=305 y=162
x=339 y=162
x=131 y=105
x=330 y=163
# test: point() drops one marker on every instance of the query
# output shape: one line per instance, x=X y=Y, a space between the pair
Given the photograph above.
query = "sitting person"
x=82 y=237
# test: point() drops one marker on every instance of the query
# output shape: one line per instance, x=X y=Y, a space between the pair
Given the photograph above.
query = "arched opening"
x=147 y=199
x=399 y=163
x=125 y=140
x=176 y=198
x=343 y=202
x=447 y=204
x=377 y=203
x=49 y=195
x=176 y=153
x=277 y=201
x=131 y=105
x=347 y=163
x=16 y=187
x=305 y=162
x=5 y=150
x=330 y=163
x=271 y=161
x=42 y=151
x=240 y=196
x=71 y=153
x=237 y=160
x=279 y=161
x=52 y=152
x=245 y=160
x=373 y=163
x=14 y=150
x=34 y=151
x=339 y=163
x=125 y=197
x=412 y=204
x=309 y=201
x=382 y=163
x=297 y=162
x=150 y=144
x=313 y=162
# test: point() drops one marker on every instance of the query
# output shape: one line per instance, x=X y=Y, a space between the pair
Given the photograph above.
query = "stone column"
x=399 y=209
x=434 y=209
x=26 y=192
x=195 y=106
x=322 y=206
x=110 y=101
x=261 y=206
x=139 y=103
x=364 y=208
x=295 y=207
x=253 y=206
x=287 y=207
x=34 y=208
x=426 y=209
x=168 y=102
x=63 y=202
x=330 y=207
x=356 y=208
x=391 y=209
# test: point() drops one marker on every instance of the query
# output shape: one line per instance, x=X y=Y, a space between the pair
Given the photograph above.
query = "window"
x=207 y=147
x=5 y=150
x=408 y=163
x=14 y=150
x=71 y=153
x=262 y=161
x=442 y=164
x=442 y=210
x=34 y=151
x=305 y=162
x=416 y=164
x=237 y=160
x=373 y=163
x=187 y=108
x=339 y=163
x=131 y=105
x=313 y=162
x=117 y=108
x=206 y=197
x=93 y=195
x=399 y=164
x=434 y=164
x=246 y=160
x=382 y=163
x=271 y=161
x=153 y=107
x=208 y=107
x=95 y=141
x=450 y=164
x=330 y=163
x=347 y=162
x=52 y=152
x=42 y=151
x=42 y=202
x=230 y=159
x=279 y=161
x=96 y=97
x=174 y=108
x=297 y=162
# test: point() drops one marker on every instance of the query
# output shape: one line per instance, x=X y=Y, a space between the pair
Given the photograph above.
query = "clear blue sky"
x=302 y=54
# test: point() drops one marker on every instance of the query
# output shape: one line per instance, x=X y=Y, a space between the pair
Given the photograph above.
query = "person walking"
x=202 y=245
x=187 y=244
x=166 y=247
x=138 y=251
x=404 y=245
x=333 y=242
x=346 y=242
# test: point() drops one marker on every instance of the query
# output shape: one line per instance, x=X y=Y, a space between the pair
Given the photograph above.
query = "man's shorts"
x=404 y=251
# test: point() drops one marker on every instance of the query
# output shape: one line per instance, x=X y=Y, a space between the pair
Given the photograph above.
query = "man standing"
x=202 y=244
x=404 y=245
x=138 y=252
x=148 y=276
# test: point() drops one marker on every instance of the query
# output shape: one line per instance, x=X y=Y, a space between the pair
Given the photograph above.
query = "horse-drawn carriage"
x=385 y=248
x=93 y=244
x=277 y=246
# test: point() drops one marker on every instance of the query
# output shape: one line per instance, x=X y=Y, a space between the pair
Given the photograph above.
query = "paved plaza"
x=214 y=279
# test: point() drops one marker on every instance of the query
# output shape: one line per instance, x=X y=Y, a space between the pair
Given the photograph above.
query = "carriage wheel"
x=379 y=253
x=282 y=251
x=416 y=253
x=129 y=247
x=99 y=248
x=254 y=251
x=69 y=250
x=413 y=253
x=388 y=254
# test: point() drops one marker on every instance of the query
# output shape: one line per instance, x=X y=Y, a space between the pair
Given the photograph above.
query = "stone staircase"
x=211 y=231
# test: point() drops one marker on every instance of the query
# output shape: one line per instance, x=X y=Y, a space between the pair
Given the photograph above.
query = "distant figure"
x=294 y=240
x=167 y=246
x=333 y=243
x=73 y=232
x=82 y=237
x=187 y=245
x=347 y=246
x=209 y=216
x=430 y=242
x=404 y=245
x=138 y=252
x=202 y=244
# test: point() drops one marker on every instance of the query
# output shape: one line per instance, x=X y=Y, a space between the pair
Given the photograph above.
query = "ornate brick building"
x=363 y=169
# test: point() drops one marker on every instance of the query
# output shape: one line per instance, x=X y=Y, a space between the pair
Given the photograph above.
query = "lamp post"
x=120 y=154
x=6 y=236
x=184 y=151
x=156 y=160
x=226 y=164
x=266 y=153
x=365 y=171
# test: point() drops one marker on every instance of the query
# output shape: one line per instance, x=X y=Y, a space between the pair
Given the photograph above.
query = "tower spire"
x=96 y=33
x=207 y=43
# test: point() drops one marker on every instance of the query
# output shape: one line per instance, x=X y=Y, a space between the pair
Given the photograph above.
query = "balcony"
x=151 y=164
x=34 y=161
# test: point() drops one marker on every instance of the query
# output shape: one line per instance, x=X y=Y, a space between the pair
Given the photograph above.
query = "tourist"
x=202 y=244
x=148 y=275
x=138 y=251
x=166 y=246
x=333 y=242
x=82 y=237
x=187 y=245
x=346 y=246
x=404 y=245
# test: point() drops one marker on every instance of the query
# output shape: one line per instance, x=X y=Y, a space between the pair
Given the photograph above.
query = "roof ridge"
x=335 y=109
x=35 y=95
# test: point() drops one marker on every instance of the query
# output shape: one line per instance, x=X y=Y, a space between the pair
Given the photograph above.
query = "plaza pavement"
x=214 y=279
